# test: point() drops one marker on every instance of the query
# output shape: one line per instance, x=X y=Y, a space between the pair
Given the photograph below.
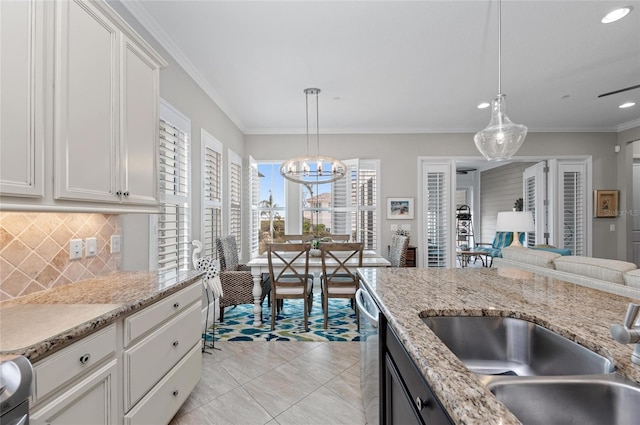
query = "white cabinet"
x=106 y=110
x=162 y=357
x=92 y=401
x=22 y=98
x=79 y=104
x=78 y=385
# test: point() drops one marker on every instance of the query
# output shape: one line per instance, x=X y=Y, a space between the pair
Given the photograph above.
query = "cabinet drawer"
x=140 y=323
x=164 y=400
x=149 y=360
x=70 y=362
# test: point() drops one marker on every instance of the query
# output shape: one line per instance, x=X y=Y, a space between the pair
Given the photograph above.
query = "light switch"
x=394 y=227
x=406 y=227
x=75 y=249
x=91 y=247
x=612 y=227
x=115 y=244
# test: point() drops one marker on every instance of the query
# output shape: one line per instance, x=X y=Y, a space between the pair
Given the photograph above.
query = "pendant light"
x=501 y=139
x=315 y=169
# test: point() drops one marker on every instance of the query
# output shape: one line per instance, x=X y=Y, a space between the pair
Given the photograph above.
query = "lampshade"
x=501 y=139
x=515 y=221
x=313 y=169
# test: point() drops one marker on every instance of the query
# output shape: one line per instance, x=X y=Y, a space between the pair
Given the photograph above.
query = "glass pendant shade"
x=501 y=139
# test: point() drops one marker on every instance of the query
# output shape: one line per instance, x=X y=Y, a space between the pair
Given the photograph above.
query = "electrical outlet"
x=75 y=249
x=91 y=247
x=612 y=227
x=394 y=227
x=115 y=244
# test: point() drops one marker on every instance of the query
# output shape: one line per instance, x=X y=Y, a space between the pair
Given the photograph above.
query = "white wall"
x=399 y=170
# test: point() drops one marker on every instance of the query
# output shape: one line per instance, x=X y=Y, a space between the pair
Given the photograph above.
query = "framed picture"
x=400 y=208
x=605 y=203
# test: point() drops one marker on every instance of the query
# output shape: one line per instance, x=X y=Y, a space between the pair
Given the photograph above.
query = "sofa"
x=615 y=276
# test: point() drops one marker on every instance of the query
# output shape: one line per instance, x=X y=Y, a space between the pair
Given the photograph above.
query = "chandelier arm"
x=306 y=97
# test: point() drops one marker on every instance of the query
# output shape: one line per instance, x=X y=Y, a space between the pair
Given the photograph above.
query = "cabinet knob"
x=420 y=404
x=176 y=343
x=119 y=193
x=84 y=359
x=176 y=305
x=126 y=194
x=175 y=393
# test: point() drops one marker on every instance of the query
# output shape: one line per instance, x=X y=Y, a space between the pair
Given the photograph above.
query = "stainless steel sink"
x=610 y=400
x=508 y=346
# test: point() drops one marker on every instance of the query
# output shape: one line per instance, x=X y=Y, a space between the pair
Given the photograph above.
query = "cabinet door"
x=86 y=103
x=399 y=406
x=93 y=401
x=21 y=98
x=139 y=125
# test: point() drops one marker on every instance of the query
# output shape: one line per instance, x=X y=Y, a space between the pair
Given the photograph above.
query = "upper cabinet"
x=22 y=98
x=103 y=113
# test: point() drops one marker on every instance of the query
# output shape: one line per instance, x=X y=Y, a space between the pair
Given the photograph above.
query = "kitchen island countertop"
x=41 y=323
x=405 y=295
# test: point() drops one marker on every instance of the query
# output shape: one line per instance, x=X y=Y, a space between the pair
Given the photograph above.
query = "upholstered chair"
x=236 y=279
x=398 y=250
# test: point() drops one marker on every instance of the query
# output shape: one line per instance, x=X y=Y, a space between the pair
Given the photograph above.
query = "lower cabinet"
x=90 y=401
x=407 y=398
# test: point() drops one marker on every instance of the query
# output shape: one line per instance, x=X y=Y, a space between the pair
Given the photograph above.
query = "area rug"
x=238 y=323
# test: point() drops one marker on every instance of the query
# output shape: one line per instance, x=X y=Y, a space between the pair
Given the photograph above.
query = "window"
x=572 y=205
x=347 y=206
x=211 y=193
x=235 y=197
x=173 y=222
x=438 y=191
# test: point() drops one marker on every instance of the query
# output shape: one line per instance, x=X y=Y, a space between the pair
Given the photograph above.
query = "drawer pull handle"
x=175 y=393
x=85 y=359
x=176 y=343
x=420 y=404
x=176 y=305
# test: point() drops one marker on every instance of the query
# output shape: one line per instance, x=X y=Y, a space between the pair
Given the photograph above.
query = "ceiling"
x=405 y=66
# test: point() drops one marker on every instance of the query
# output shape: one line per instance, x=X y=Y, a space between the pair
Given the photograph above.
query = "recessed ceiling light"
x=484 y=105
x=616 y=14
x=627 y=105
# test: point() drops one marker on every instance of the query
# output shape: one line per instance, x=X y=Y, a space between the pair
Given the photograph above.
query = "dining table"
x=260 y=265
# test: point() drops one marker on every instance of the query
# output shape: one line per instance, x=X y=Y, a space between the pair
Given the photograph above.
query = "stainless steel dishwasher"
x=369 y=356
x=16 y=377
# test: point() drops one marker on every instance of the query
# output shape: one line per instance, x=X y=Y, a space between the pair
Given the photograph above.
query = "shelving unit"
x=464 y=228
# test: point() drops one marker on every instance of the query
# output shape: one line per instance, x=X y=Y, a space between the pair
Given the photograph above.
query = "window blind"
x=530 y=205
x=173 y=220
x=254 y=184
x=235 y=197
x=573 y=216
x=436 y=218
x=211 y=195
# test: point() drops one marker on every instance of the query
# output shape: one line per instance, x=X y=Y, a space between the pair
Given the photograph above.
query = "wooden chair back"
x=342 y=273
x=340 y=238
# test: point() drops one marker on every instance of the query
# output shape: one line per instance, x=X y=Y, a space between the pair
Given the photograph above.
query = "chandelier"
x=501 y=139
x=313 y=168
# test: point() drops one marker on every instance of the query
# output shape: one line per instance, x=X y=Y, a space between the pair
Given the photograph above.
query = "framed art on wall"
x=399 y=208
x=605 y=203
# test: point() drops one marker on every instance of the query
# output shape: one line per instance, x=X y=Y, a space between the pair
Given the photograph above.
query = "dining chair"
x=289 y=278
x=340 y=238
x=398 y=250
x=339 y=278
x=297 y=238
x=235 y=278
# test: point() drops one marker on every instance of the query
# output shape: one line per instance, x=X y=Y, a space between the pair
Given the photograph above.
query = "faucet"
x=629 y=332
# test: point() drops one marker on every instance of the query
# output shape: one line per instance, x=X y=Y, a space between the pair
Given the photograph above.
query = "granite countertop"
x=41 y=323
x=576 y=312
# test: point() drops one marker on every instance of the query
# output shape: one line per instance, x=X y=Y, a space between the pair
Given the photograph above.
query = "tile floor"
x=286 y=383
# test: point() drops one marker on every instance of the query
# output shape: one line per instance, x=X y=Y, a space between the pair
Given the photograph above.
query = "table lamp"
x=515 y=221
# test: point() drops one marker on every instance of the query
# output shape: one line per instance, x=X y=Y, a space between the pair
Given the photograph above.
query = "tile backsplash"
x=34 y=250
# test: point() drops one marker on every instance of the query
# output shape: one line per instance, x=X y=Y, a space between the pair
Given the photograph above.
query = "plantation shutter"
x=534 y=183
x=235 y=197
x=254 y=184
x=573 y=205
x=355 y=203
x=173 y=220
x=211 y=194
x=438 y=214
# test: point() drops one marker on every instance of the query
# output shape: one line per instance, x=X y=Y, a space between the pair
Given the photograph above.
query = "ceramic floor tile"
x=249 y=364
x=236 y=407
x=322 y=407
x=214 y=382
x=324 y=363
x=195 y=417
x=348 y=388
x=294 y=349
x=281 y=388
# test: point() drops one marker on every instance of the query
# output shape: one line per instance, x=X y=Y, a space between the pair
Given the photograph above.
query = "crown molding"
x=157 y=31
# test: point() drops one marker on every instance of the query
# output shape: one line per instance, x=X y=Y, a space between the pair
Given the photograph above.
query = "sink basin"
x=581 y=401
x=515 y=347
